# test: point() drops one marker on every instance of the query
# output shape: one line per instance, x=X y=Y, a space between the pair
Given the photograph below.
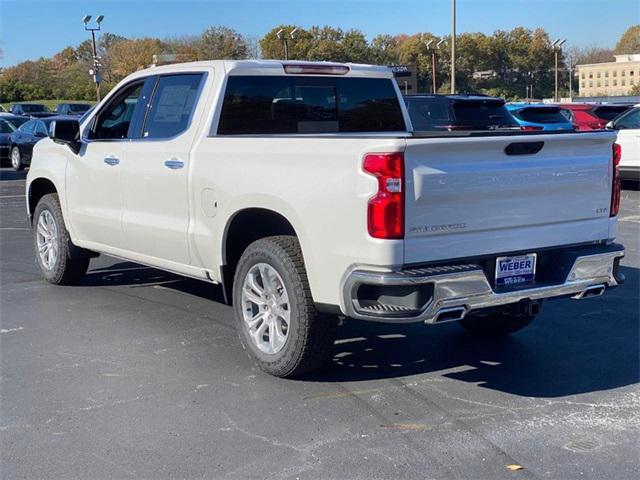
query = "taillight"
x=385 y=213
x=530 y=128
x=616 y=186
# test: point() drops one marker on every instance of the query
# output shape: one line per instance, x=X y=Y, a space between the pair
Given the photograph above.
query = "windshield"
x=483 y=114
x=32 y=108
x=433 y=113
x=541 y=115
x=610 y=111
x=6 y=127
x=78 y=107
x=17 y=121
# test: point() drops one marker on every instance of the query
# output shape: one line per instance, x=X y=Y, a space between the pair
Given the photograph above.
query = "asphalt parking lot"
x=139 y=373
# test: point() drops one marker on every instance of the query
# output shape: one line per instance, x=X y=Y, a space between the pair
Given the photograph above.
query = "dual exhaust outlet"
x=524 y=307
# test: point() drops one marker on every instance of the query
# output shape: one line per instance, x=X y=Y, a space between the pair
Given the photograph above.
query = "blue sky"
x=33 y=28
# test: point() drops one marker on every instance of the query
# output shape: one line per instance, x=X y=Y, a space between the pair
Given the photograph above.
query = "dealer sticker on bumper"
x=515 y=270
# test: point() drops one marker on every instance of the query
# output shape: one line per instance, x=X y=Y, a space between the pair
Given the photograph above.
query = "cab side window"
x=114 y=121
x=172 y=105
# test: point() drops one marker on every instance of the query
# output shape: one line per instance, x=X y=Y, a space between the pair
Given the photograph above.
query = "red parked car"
x=591 y=116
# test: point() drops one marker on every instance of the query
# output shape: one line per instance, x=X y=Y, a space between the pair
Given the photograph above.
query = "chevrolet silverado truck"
x=302 y=189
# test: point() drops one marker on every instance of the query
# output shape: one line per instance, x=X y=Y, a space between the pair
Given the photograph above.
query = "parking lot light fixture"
x=95 y=71
x=453 y=47
x=557 y=47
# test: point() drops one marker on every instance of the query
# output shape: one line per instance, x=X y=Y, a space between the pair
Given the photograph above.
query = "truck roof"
x=272 y=67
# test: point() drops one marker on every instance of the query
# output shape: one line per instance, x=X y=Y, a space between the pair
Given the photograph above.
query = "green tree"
x=221 y=42
x=629 y=42
x=132 y=55
x=385 y=50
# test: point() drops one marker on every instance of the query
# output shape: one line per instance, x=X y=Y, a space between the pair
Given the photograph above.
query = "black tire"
x=16 y=159
x=498 y=324
x=71 y=262
x=310 y=335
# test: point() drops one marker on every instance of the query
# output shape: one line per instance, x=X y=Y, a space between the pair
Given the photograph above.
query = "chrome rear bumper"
x=450 y=292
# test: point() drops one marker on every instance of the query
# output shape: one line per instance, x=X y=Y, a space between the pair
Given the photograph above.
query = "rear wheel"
x=61 y=262
x=16 y=159
x=277 y=321
x=496 y=324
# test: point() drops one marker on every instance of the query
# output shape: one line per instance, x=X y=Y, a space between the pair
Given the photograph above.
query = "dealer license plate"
x=515 y=270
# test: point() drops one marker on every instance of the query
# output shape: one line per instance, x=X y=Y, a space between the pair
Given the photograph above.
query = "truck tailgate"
x=467 y=196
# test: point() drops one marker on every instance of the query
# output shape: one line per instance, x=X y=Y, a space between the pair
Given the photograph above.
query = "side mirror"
x=610 y=125
x=66 y=132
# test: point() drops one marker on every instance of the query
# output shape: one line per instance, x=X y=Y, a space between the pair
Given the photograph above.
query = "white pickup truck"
x=302 y=189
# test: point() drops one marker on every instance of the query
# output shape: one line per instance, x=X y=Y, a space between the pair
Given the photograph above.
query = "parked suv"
x=303 y=190
x=535 y=117
x=590 y=116
x=458 y=112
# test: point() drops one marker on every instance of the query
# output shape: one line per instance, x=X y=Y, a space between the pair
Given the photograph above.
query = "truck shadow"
x=134 y=275
x=572 y=347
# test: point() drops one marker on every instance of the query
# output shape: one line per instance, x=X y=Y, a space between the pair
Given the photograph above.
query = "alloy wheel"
x=265 y=308
x=47 y=240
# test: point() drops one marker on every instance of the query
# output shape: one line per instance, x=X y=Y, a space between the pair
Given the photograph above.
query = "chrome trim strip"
x=469 y=288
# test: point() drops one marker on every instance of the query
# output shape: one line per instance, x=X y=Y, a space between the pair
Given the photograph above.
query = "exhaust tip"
x=450 y=314
x=592 y=291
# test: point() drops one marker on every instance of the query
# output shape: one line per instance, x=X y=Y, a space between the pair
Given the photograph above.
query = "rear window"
x=483 y=114
x=609 y=112
x=541 y=115
x=309 y=105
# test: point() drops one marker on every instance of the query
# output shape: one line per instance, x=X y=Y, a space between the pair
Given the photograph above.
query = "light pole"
x=557 y=47
x=433 y=64
x=453 y=46
x=282 y=36
x=95 y=71
x=433 y=61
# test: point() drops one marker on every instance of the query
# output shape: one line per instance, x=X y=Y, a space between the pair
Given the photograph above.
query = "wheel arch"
x=38 y=188
x=244 y=227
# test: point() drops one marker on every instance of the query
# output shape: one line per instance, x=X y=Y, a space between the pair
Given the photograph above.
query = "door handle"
x=111 y=160
x=174 y=164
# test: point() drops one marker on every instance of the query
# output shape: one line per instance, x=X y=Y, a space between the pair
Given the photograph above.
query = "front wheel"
x=276 y=318
x=16 y=159
x=61 y=262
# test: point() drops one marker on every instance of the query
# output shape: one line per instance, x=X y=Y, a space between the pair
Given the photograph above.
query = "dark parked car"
x=6 y=129
x=591 y=116
x=27 y=135
x=30 y=110
x=458 y=112
x=72 y=108
x=8 y=124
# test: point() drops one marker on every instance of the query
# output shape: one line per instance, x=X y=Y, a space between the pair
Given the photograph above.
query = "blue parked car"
x=539 y=117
